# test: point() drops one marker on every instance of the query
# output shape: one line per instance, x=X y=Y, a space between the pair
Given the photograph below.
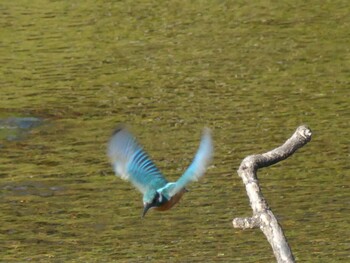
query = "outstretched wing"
x=132 y=163
x=197 y=168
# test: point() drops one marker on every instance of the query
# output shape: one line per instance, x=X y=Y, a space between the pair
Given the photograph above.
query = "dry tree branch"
x=262 y=214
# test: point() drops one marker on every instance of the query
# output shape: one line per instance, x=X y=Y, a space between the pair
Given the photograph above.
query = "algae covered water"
x=252 y=72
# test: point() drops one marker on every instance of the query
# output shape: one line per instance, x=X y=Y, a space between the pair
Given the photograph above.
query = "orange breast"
x=171 y=202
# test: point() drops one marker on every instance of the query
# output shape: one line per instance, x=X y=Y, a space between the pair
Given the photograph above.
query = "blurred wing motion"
x=197 y=168
x=132 y=163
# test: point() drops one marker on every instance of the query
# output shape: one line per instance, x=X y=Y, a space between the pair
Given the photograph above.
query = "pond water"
x=252 y=72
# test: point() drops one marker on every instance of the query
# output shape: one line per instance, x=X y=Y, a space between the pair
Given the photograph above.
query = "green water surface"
x=252 y=71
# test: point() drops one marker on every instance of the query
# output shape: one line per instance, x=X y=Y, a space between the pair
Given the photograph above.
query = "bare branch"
x=262 y=214
x=246 y=222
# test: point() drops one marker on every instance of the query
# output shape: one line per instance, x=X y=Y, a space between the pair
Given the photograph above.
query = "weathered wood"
x=262 y=214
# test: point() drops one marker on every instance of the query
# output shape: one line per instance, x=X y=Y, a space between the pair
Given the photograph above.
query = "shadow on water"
x=30 y=188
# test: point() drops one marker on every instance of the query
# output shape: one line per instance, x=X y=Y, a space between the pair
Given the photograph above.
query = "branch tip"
x=305 y=132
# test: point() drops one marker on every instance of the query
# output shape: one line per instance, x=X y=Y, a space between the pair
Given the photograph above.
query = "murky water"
x=251 y=72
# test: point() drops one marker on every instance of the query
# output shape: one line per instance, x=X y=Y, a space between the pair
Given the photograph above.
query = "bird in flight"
x=131 y=162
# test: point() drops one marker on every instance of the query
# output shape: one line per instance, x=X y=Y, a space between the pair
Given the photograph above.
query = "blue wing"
x=132 y=163
x=197 y=168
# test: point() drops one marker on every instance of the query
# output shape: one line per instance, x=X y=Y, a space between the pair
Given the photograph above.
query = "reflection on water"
x=250 y=72
x=15 y=128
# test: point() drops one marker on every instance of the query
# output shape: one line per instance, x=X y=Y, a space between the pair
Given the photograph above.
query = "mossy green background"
x=251 y=71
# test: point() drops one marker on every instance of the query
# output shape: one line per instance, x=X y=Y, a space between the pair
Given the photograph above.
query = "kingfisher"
x=132 y=163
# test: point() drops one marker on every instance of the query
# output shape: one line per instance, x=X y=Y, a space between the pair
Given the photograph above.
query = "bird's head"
x=155 y=201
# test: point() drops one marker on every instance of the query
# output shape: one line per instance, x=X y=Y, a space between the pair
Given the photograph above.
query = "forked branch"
x=262 y=214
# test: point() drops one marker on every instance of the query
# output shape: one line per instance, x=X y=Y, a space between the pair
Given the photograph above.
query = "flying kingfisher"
x=132 y=163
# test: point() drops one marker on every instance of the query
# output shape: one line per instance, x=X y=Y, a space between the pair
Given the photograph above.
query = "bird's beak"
x=145 y=209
